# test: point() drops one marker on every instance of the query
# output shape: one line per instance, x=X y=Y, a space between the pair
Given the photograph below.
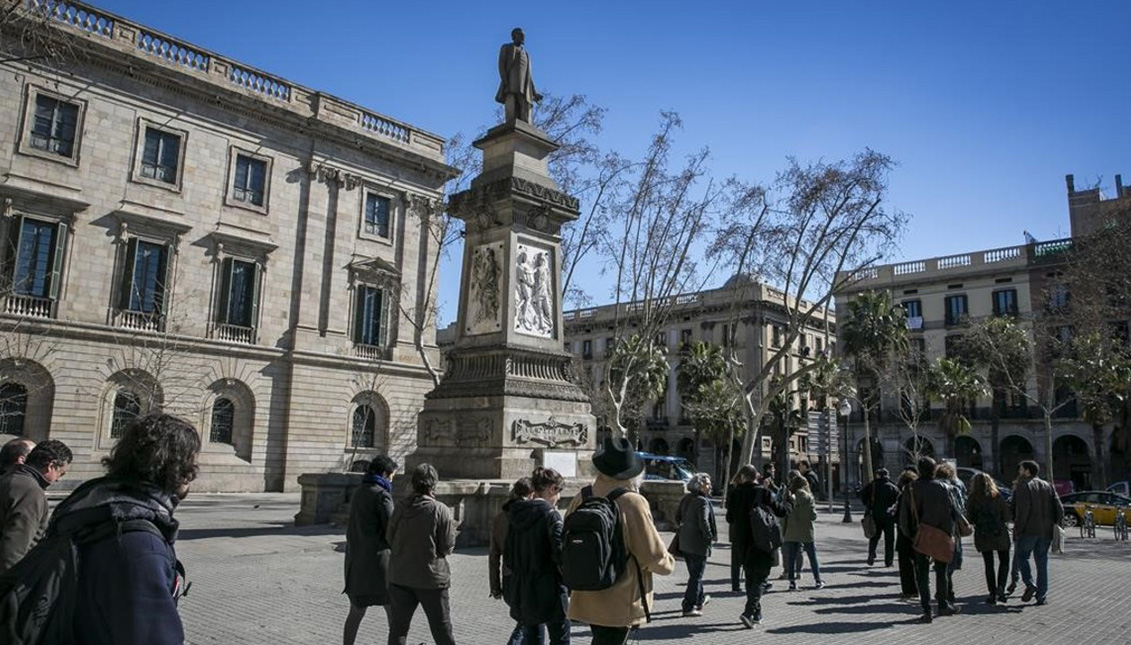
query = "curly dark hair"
x=48 y=452
x=157 y=448
x=543 y=478
x=381 y=465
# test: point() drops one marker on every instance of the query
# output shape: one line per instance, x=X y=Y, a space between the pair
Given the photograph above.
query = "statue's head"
x=517 y=36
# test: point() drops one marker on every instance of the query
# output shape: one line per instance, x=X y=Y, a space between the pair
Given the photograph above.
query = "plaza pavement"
x=256 y=579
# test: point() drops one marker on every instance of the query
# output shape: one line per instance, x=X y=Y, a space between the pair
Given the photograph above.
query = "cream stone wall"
x=297 y=380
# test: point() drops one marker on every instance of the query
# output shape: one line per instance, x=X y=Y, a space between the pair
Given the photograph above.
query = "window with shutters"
x=238 y=311
x=956 y=311
x=1005 y=302
x=160 y=155
x=377 y=220
x=34 y=262
x=249 y=181
x=142 y=293
x=53 y=126
x=13 y=408
x=370 y=317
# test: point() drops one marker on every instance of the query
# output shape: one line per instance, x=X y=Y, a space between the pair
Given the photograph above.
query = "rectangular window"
x=1058 y=297
x=369 y=317
x=160 y=156
x=38 y=257
x=775 y=340
x=685 y=337
x=250 y=183
x=377 y=215
x=610 y=345
x=54 y=126
x=144 y=277
x=914 y=308
x=587 y=348
x=238 y=311
x=661 y=339
x=726 y=335
x=956 y=310
x=1005 y=302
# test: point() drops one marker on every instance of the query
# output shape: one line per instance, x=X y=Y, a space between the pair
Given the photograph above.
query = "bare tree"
x=29 y=32
x=825 y=225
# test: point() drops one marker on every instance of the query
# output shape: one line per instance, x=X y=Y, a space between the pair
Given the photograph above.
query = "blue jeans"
x=793 y=560
x=693 y=596
x=559 y=633
x=1038 y=547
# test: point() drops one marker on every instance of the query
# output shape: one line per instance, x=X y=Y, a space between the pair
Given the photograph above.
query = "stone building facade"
x=755 y=313
x=183 y=231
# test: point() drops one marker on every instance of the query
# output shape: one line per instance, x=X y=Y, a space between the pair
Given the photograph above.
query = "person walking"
x=799 y=532
x=421 y=536
x=497 y=573
x=14 y=453
x=989 y=514
x=879 y=497
x=926 y=501
x=946 y=474
x=532 y=552
x=751 y=495
x=612 y=612
x=129 y=579
x=1037 y=510
x=697 y=532
x=23 y=499
x=737 y=515
x=908 y=587
x=367 y=546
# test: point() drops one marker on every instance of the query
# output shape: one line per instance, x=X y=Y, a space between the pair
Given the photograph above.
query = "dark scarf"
x=379 y=480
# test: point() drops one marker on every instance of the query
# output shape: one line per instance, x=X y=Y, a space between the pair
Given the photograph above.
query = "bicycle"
x=1088 y=525
x=1120 y=527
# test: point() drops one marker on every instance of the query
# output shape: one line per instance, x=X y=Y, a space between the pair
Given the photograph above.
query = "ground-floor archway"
x=658 y=446
x=686 y=449
x=1072 y=461
x=1014 y=450
x=967 y=452
x=1119 y=459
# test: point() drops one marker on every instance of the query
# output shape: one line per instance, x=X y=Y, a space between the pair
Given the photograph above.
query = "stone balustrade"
x=1022 y=255
x=27 y=306
x=135 y=39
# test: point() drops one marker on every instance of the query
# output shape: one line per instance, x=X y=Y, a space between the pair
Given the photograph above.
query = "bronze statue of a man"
x=516 y=84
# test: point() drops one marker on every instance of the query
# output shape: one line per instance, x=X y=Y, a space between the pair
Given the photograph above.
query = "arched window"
x=127 y=406
x=13 y=407
x=223 y=419
x=364 y=426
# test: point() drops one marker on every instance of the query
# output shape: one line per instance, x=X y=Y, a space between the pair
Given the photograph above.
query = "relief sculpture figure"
x=486 y=273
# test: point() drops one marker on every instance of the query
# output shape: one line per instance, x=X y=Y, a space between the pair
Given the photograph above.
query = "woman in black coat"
x=367 y=550
x=745 y=497
x=532 y=552
x=989 y=512
x=738 y=514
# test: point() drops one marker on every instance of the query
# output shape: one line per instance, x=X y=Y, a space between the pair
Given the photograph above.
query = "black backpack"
x=764 y=528
x=37 y=595
x=593 y=550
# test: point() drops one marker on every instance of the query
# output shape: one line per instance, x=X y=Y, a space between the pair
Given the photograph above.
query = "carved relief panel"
x=484 y=291
x=534 y=292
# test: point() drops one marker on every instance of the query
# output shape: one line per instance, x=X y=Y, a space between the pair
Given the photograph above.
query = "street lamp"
x=845 y=408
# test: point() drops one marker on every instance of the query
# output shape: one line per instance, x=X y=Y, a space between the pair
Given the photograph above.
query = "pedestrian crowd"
x=105 y=558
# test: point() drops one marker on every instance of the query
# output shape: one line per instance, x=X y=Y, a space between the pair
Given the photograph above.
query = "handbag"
x=869 y=524
x=965 y=529
x=929 y=540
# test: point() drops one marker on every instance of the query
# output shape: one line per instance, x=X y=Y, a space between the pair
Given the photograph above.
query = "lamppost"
x=845 y=408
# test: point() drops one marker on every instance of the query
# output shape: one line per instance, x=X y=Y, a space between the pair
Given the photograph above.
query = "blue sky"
x=985 y=105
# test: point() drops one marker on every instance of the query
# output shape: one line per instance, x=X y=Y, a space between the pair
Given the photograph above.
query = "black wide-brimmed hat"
x=618 y=460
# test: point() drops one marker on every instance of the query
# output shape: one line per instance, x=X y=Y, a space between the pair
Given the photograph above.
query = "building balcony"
x=373 y=352
x=28 y=306
x=234 y=333
x=139 y=320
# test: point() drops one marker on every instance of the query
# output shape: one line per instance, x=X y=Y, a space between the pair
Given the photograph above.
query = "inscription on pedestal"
x=551 y=433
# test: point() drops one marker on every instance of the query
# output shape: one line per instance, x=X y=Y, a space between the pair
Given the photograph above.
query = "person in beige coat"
x=612 y=612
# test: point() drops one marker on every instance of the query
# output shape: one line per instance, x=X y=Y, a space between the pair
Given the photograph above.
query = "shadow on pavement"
x=275 y=529
x=828 y=627
x=683 y=630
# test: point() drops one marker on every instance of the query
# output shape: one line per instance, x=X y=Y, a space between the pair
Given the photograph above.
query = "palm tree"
x=874 y=336
x=958 y=385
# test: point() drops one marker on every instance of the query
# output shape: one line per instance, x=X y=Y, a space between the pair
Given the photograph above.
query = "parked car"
x=1102 y=504
x=1120 y=488
x=967 y=476
x=665 y=468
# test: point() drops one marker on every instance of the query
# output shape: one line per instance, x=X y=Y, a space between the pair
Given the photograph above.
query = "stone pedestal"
x=508 y=400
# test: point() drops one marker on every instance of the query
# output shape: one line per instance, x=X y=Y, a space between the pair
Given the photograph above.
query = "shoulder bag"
x=868 y=522
x=929 y=540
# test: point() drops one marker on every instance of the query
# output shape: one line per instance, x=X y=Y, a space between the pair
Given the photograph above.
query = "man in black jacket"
x=879 y=496
x=927 y=501
x=23 y=499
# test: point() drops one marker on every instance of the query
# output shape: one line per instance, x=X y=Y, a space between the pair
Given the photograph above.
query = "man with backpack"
x=612 y=595
x=760 y=535
x=106 y=573
x=23 y=499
